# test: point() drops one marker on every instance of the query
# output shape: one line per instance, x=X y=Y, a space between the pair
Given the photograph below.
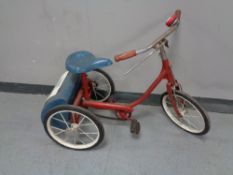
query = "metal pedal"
x=135 y=127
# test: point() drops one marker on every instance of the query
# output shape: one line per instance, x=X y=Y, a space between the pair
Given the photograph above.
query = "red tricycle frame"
x=83 y=96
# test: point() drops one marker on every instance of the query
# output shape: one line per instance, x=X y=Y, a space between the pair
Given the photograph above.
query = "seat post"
x=85 y=86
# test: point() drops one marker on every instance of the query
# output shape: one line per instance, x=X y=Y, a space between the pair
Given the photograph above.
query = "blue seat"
x=84 y=61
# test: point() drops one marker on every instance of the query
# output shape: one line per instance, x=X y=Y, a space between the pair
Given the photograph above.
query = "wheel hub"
x=74 y=127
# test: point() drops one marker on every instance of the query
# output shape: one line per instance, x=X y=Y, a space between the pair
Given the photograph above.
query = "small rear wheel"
x=193 y=118
x=102 y=86
x=73 y=127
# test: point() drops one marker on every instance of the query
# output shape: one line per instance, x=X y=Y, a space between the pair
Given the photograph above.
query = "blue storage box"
x=63 y=93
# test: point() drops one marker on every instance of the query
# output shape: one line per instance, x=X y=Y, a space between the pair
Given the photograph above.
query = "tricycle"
x=68 y=121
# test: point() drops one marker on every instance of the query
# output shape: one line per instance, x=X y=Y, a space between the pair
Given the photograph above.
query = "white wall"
x=36 y=36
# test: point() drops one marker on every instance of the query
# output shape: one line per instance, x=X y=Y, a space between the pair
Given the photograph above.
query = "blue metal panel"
x=65 y=94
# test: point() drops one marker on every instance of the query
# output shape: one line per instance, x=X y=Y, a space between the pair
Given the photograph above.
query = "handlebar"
x=172 y=22
x=126 y=55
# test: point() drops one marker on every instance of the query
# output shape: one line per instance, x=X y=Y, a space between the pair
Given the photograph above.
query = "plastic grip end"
x=173 y=18
x=125 y=55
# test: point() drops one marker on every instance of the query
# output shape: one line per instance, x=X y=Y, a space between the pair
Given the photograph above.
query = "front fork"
x=171 y=88
x=172 y=84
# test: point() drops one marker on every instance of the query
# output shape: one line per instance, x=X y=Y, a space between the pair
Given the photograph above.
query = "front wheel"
x=73 y=127
x=193 y=118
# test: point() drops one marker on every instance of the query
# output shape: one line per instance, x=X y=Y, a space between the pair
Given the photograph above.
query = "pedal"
x=135 y=127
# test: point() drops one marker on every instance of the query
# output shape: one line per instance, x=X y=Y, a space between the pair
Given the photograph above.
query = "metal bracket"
x=162 y=43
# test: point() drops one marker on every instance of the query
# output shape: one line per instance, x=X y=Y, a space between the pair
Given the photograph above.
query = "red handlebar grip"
x=173 y=18
x=125 y=55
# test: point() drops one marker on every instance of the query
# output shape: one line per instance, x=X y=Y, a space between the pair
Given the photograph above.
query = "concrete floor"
x=161 y=148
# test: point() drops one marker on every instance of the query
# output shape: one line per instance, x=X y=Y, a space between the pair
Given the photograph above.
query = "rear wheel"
x=102 y=86
x=193 y=118
x=73 y=127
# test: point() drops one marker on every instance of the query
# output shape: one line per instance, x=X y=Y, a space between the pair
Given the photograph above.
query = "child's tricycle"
x=68 y=121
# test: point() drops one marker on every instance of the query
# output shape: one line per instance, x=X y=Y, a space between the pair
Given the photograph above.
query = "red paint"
x=123 y=115
x=165 y=73
x=173 y=18
x=78 y=98
x=170 y=84
x=85 y=86
x=75 y=117
x=169 y=74
x=172 y=99
x=105 y=105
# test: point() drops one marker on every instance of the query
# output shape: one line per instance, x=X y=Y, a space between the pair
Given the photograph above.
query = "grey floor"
x=161 y=148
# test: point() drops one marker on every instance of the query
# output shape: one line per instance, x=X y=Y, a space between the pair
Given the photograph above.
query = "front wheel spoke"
x=83 y=132
x=189 y=116
x=187 y=122
x=178 y=105
x=197 y=121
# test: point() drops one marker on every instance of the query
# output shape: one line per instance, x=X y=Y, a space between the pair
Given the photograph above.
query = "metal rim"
x=101 y=87
x=187 y=122
x=72 y=135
